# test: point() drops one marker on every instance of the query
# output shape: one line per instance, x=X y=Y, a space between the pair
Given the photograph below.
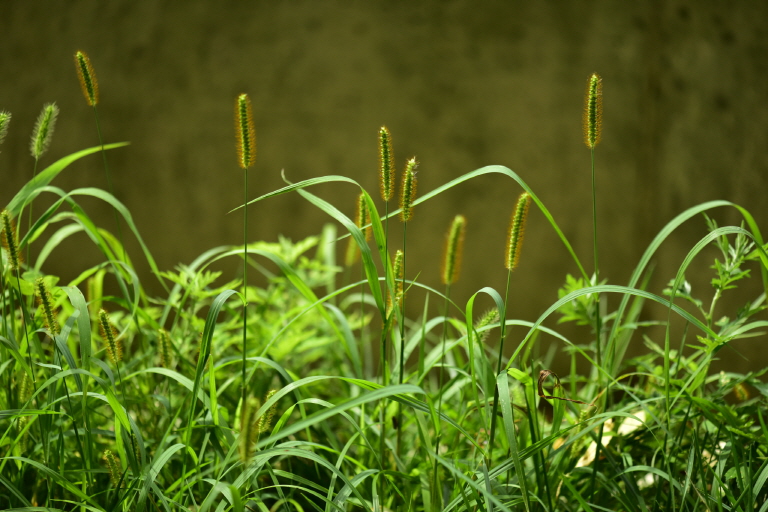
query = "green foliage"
x=325 y=426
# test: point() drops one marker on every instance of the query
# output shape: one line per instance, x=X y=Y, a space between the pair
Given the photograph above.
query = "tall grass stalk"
x=246 y=154
x=593 y=115
x=90 y=87
x=515 y=236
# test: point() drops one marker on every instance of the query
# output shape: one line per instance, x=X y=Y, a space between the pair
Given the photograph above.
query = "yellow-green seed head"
x=45 y=300
x=87 y=77
x=408 y=190
x=246 y=133
x=489 y=317
x=164 y=348
x=454 y=245
x=386 y=164
x=113 y=467
x=43 y=132
x=9 y=241
x=397 y=275
x=362 y=220
x=517 y=231
x=109 y=335
x=593 y=111
x=5 y=120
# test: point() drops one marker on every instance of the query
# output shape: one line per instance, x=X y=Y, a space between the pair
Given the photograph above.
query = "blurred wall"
x=460 y=85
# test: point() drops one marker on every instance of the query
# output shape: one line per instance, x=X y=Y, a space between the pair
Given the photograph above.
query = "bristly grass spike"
x=517 y=231
x=593 y=111
x=43 y=132
x=9 y=241
x=408 y=190
x=386 y=164
x=454 y=244
x=246 y=133
x=87 y=76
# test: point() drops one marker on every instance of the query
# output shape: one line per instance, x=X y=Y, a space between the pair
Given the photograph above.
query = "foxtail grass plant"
x=593 y=118
x=90 y=87
x=451 y=268
x=154 y=418
x=41 y=140
x=246 y=154
x=515 y=235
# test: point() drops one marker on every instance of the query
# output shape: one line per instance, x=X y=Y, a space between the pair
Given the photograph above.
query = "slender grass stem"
x=502 y=336
x=243 y=387
x=401 y=375
x=109 y=180
x=438 y=427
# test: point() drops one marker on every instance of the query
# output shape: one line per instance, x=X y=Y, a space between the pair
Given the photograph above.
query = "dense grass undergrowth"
x=303 y=395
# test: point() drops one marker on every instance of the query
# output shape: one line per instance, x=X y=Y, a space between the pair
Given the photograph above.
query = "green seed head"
x=9 y=241
x=87 y=77
x=5 y=120
x=265 y=421
x=165 y=348
x=517 y=230
x=43 y=132
x=113 y=467
x=454 y=242
x=246 y=134
x=408 y=190
x=109 y=335
x=386 y=164
x=45 y=300
x=362 y=220
x=397 y=275
x=593 y=111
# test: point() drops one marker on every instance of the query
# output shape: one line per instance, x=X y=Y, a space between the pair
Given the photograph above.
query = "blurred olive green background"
x=460 y=84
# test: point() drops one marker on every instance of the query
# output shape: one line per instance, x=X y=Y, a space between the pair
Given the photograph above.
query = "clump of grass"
x=175 y=425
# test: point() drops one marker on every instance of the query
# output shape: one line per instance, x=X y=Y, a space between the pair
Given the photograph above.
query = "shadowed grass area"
x=283 y=404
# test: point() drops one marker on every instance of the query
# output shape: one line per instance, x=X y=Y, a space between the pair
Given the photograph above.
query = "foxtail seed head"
x=386 y=164
x=9 y=240
x=593 y=111
x=397 y=275
x=517 y=230
x=265 y=421
x=164 y=347
x=362 y=220
x=46 y=306
x=87 y=77
x=43 y=132
x=113 y=467
x=408 y=190
x=246 y=133
x=249 y=430
x=5 y=120
x=489 y=317
x=454 y=245
x=109 y=335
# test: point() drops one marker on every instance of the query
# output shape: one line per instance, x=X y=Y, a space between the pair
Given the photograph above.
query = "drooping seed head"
x=45 y=300
x=43 y=132
x=164 y=348
x=113 y=467
x=454 y=245
x=593 y=111
x=489 y=317
x=109 y=335
x=408 y=190
x=386 y=164
x=9 y=240
x=246 y=133
x=5 y=120
x=87 y=77
x=517 y=231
